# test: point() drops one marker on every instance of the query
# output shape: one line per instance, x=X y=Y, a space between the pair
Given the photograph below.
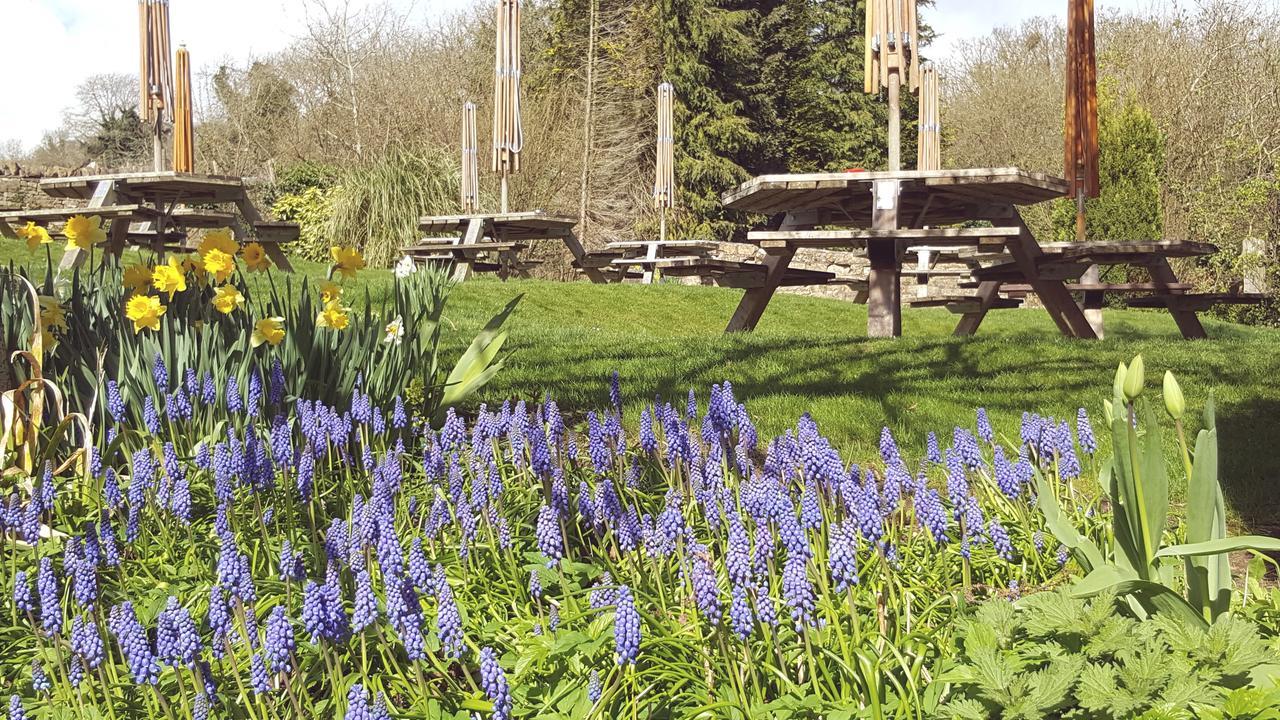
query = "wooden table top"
x=152 y=187
x=928 y=197
x=533 y=225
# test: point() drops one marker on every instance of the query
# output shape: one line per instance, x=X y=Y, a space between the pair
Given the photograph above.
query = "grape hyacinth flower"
x=258 y=677
x=448 y=621
x=740 y=617
x=594 y=691
x=494 y=682
x=931 y=515
x=39 y=680
x=132 y=638
x=1000 y=539
x=50 y=607
x=366 y=603
x=86 y=642
x=797 y=591
x=177 y=640
x=985 y=433
x=535 y=585
x=22 y=597
x=16 y=711
x=702 y=577
x=549 y=535
x=1084 y=432
x=357 y=705
x=280 y=642
x=843 y=559
x=626 y=627
x=115 y=402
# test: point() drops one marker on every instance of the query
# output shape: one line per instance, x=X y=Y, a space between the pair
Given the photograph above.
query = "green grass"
x=811 y=355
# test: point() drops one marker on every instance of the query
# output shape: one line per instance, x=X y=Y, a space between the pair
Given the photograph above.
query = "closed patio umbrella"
x=664 y=183
x=1080 y=129
x=891 y=58
x=929 y=145
x=508 y=135
x=155 y=70
x=470 y=162
x=184 y=151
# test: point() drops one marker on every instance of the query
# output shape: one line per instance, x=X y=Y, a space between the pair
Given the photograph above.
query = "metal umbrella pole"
x=508 y=134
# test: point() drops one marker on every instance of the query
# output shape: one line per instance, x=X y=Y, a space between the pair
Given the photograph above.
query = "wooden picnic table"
x=1067 y=262
x=466 y=237
x=155 y=209
x=885 y=212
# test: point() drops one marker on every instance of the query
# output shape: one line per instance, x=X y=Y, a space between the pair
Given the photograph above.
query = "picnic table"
x=884 y=213
x=491 y=242
x=1069 y=261
x=155 y=209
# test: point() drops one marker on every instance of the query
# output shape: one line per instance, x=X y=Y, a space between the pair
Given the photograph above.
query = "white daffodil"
x=405 y=267
x=394 y=332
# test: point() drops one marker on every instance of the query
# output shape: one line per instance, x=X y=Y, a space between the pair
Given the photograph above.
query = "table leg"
x=988 y=291
x=1188 y=322
x=651 y=253
x=1094 y=300
x=462 y=262
x=755 y=300
x=579 y=253
x=104 y=193
x=1053 y=293
x=884 y=289
x=7 y=231
x=278 y=256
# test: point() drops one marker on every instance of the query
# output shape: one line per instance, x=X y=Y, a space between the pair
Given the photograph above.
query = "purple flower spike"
x=626 y=627
x=494 y=682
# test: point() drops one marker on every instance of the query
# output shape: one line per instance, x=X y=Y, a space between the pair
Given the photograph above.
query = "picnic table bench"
x=491 y=242
x=155 y=209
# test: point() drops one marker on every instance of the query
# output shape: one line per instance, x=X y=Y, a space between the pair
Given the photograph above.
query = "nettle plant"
x=1140 y=559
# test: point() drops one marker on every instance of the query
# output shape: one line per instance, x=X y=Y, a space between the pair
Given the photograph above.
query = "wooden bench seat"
x=40 y=217
x=961 y=304
x=658 y=261
x=276 y=232
x=1196 y=302
x=846 y=238
x=440 y=244
x=1116 y=288
x=644 y=244
x=205 y=219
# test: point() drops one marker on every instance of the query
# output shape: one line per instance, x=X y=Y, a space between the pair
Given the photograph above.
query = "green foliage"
x=1054 y=654
x=300 y=177
x=1130 y=166
x=376 y=207
x=1135 y=563
x=312 y=209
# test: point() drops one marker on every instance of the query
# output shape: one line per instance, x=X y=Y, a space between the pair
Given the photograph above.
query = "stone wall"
x=20 y=187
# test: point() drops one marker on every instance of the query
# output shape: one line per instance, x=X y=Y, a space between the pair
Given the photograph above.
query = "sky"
x=65 y=41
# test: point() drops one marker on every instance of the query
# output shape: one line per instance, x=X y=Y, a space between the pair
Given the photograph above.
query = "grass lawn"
x=811 y=355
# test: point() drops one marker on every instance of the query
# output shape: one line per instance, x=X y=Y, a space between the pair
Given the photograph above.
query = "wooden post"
x=884 y=282
x=1252 y=251
x=1093 y=299
x=895 y=120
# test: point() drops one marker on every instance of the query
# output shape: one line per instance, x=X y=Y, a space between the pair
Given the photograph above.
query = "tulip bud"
x=1134 y=379
x=1174 y=403
x=1117 y=385
x=1108 y=412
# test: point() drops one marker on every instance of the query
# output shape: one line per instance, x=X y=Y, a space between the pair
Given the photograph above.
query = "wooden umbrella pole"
x=895 y=120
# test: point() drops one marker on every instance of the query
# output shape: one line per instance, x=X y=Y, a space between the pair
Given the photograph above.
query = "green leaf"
x=1223 y=545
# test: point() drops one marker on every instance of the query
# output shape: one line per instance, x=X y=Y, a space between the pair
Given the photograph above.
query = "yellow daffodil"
x=52 y=315
x=169 y=278
x=219 y=264
x=34 y=235
x=346 y=260
x=255 y=257
x=83 y=232
x=268 y=330
x=333 y=316
x=394 y=332
x=227 y=299
x=144 y=311
x=221 y=240
x=193 y=267
x=330 y=291
x=137 y=277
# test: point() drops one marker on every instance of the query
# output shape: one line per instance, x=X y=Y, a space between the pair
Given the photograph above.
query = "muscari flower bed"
x=245 y=554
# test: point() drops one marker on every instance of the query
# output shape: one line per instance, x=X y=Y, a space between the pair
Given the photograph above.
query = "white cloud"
x=52 y=45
